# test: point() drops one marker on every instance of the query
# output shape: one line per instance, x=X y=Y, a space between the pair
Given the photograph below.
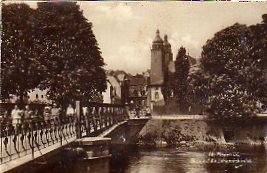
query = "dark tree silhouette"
x=52 y=47
x=259 y=33
x=20 y=70
x=230 y=81
x=180 y=76
x=69 y=53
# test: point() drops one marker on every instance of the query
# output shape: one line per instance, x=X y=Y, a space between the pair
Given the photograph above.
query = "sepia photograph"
x=133 y=87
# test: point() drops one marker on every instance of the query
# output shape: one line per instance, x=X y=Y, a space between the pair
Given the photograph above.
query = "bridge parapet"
x=196 y=117
x=31 y=137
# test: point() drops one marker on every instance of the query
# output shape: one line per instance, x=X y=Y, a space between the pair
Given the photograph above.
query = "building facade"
x=38 y=96
x=161 y=58
x=34 y=96
x=162 y=68
x=117 y=88
x=138 y=91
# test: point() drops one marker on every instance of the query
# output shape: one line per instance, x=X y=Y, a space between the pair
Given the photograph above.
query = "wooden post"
x=78 y=114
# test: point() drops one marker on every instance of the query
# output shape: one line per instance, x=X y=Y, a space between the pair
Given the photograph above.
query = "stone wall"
x=171 y=107
x=175 y=132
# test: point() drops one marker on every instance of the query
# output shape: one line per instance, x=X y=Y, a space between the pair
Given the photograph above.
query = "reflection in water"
x=240 y=160
x=129 y=159
x=92 y=166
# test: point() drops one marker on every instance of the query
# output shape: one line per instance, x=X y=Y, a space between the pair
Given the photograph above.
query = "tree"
x=168 y=87
x=19 y=63
x=259 y=34
x=230 y=81
x=181 y=74
x=69 y=53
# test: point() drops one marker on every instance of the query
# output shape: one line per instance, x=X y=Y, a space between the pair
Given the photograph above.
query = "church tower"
x=157 y=60
x=161 y=56
x=167 y=52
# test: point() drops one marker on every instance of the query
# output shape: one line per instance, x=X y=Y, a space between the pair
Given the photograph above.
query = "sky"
x=125 y=30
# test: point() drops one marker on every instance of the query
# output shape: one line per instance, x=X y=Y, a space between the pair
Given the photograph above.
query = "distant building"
x=138 y=90
x=117 y=88
x=162 y=65
x=161 y=56
x=34 y=96
x=38 y=96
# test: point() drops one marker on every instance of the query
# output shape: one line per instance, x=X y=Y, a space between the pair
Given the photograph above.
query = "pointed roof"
x=166 y=42
x=157 y=39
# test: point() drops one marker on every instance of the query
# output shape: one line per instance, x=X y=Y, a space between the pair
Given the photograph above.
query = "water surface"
x=132 y=159
x=173 y=160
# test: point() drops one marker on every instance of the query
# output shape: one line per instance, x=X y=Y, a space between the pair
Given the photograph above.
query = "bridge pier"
x=95 y=147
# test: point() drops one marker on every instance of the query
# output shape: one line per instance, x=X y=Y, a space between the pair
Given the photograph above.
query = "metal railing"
x=34 y=135
x=29 y=137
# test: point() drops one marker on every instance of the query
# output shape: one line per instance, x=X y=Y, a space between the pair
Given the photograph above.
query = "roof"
x=166 y=42
x=118 y=74
x=138 y=80
x=157 y=39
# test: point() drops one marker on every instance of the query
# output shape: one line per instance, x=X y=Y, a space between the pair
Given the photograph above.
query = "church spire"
x=157 y=42
x=166 y=38
x=167 y=45
x=166 y=42
x=157 y=39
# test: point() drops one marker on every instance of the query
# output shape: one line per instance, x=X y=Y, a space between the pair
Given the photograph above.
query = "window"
x=42 y=96
x=36 y=96
x=156 y=95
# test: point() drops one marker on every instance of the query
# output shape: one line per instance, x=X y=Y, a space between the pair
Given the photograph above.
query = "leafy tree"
x=259 y=33
x=167 y=89
x=230 y=81
x=19 y=63
x=181 y=74
x=69 y=53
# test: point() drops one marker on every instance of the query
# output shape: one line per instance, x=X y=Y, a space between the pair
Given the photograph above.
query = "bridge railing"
x=35 y=134
x=96 y=117
x=28 y=137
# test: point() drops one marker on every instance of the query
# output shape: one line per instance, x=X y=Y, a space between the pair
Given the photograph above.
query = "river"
x=132 y=159
x=173 y=160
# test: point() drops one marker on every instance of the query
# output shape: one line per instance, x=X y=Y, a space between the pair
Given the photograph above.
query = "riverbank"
x=164 y=132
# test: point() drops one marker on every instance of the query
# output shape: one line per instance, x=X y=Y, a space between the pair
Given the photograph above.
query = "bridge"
x=36 y=139
x=195 y=117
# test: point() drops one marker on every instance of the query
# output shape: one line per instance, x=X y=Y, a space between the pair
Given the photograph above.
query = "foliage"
x=259 y=33
x=180 y=77
x=51 y=47
x=69 y=53
x=230 y=81
x=167 y=89
x=20 y=70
